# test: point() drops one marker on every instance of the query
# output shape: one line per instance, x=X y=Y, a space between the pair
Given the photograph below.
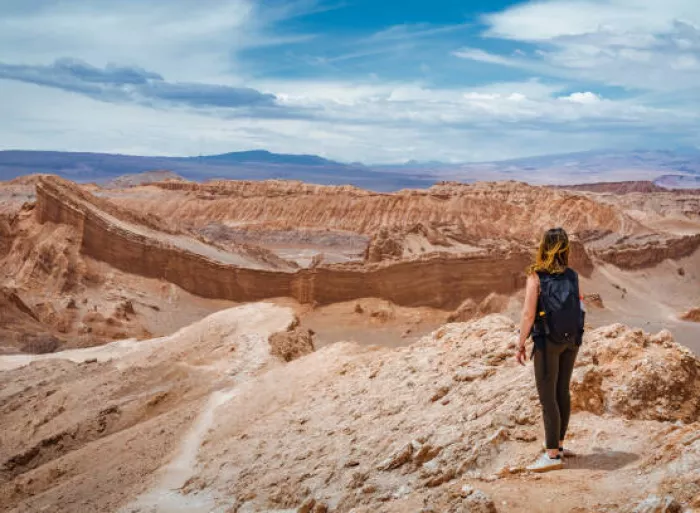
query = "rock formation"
x=442 y=247
x=692 y=315
x=204 y=270
x=593 y=300
x=641 y=255
x=448 y=217
x=20 y=327
x=447 y=214
x=147 y=177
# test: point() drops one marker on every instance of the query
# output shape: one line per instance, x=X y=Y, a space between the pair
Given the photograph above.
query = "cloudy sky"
x=352 y=80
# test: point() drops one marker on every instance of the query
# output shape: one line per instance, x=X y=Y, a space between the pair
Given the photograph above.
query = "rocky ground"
x=213 y=421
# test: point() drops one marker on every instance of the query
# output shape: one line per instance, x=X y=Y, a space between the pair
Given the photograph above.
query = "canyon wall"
x=6 y=235
x=57 y=206
x=469 y=213
x=650 y=254
x=440 y=281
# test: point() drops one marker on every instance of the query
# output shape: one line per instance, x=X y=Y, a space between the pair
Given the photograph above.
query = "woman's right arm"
x=527 y=318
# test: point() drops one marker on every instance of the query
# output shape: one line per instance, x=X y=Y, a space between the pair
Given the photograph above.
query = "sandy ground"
x=161 y=307
x=651 y=299
x=415 y=244
x=370 y=321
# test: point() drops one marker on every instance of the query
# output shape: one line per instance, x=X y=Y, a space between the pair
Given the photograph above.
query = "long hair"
x=553 y=253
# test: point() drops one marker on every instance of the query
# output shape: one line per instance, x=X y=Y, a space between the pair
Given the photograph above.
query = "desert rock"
x=692 y=315
x=655 y=504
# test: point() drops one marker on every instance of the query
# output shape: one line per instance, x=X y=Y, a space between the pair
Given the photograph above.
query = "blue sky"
x=352 y=80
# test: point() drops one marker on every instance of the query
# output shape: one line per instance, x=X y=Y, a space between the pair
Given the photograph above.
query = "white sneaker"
x=544 y=464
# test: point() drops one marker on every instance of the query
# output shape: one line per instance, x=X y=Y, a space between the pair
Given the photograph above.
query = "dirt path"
x=127 y=418
x=167 y=495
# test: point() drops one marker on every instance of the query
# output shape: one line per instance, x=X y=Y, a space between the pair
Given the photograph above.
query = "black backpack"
x=560 y=318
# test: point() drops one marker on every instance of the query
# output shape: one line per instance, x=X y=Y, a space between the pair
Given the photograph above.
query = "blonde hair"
x=553 y=253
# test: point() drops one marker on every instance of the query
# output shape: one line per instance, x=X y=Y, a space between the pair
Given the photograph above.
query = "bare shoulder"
x=532 y=286
x=533 y=281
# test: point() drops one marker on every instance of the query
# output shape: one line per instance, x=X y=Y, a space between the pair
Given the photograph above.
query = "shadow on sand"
x=603 y=460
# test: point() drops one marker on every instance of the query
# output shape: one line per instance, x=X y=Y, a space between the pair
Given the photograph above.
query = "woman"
x=552 y=313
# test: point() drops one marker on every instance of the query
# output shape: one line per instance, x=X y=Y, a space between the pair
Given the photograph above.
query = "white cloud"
x=476 y=54
x=546 y=20
x=186 y=40
x=686 y=62
x=642 y=45
x=371 y=122
x=583 y=98
x=413 y=31
x=357 y=117
x=481 y=96
x=533 y=88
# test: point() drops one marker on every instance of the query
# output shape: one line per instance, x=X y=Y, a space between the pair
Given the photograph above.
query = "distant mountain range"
x=248 y=165
x=678 y=181
x=679 y=168
x=570 y=168
x=265 y=157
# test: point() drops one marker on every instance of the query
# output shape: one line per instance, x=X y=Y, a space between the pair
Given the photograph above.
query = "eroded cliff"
x=467 y=213
x=441 y=280
x=630 y=231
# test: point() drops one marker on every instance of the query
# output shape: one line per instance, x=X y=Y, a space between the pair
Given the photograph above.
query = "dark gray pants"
x=553 y=381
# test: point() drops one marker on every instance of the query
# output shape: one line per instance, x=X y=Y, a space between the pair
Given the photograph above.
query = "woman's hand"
x=521 y=355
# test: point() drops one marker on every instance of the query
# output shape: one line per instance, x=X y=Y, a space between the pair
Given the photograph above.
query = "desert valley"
x=249 y=346
x=350 y=256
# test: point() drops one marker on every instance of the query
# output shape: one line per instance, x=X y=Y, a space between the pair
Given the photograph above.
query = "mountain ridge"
x=260 y=164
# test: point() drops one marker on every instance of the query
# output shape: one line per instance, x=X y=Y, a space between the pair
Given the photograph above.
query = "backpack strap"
x=582 y=321
x=539 y=327
x=575 y=275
